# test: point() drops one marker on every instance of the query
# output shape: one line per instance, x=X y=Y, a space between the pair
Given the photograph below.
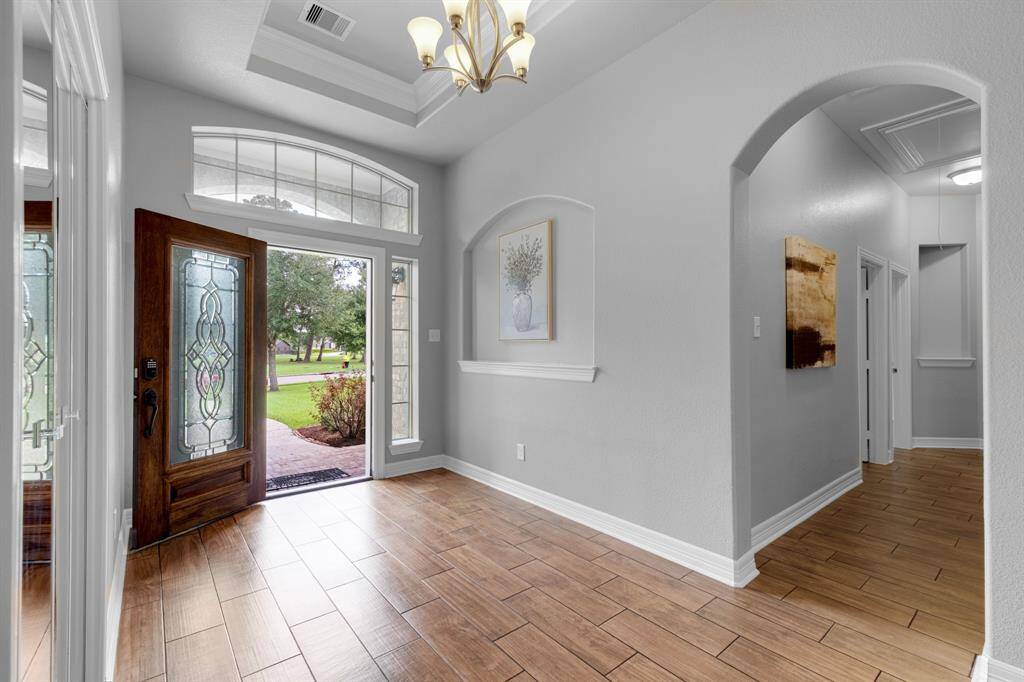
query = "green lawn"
x=330 y=363
x=291 y=404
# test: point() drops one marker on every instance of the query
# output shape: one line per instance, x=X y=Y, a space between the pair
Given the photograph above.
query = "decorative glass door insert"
x=37 y=319
x=208 y=378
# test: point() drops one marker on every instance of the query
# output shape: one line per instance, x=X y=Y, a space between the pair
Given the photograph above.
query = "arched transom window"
x=299 y=176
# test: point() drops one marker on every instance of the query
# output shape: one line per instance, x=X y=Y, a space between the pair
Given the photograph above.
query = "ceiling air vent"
x=327 y=20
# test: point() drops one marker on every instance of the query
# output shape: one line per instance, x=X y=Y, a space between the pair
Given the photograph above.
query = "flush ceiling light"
x=465 y=58
x=966 y=176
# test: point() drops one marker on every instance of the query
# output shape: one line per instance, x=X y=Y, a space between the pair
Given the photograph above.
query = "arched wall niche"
x=762 y=140
x=573 y=294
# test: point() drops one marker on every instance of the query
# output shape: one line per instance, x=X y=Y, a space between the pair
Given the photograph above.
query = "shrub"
x=339 y=404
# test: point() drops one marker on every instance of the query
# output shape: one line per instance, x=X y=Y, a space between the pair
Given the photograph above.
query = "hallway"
x=435 y=576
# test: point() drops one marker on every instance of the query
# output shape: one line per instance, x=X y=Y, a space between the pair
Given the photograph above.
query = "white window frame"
x=34 y=176
x=411 y=444
x=335 y=227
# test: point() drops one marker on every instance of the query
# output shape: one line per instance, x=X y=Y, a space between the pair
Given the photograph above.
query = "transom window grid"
x=288 y=177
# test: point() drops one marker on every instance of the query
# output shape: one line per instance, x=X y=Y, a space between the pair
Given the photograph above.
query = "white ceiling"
x=368 y=87
x=916 y=133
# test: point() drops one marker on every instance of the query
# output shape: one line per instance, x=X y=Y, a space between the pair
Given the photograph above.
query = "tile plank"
x=545 y=659
x=376 y=623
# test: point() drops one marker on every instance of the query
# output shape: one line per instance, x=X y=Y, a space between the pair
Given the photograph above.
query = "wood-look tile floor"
x=433 y=576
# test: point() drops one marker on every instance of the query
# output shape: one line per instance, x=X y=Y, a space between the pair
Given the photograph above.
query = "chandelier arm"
x=448 y=68
x=496 y=62
x=497 y=52
x=472 y=54
x=509 y=75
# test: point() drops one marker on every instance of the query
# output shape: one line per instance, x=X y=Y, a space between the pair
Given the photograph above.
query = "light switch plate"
x=757 y=326
x=521 y=452
x=434 y=335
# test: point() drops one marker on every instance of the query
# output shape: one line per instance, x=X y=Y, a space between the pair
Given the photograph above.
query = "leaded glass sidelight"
x=208 y=364
x=37 y=358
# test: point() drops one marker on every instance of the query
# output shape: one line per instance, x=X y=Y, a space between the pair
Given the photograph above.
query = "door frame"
x=900 y=358
x=877 y=327
x=379 y=362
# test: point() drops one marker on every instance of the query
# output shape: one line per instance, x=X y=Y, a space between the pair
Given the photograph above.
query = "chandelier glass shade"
x=471 y=59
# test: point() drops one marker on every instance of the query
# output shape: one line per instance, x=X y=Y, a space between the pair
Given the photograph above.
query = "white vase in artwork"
x=522 y=311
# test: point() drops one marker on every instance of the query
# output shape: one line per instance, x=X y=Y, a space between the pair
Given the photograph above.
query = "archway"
x=748 y=158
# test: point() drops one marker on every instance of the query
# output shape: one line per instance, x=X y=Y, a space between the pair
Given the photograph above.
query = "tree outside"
x=314 y=301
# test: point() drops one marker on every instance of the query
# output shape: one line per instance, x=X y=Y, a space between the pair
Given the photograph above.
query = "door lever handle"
x=149 y=399
x=39 y=433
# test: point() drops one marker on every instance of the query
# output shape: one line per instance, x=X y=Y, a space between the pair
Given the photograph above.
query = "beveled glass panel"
x=214 y=151
x=366 y=183
x=399 y=384
x=393 y=193
x=213 y=181
x=399 y=312
x=399 y=347
x=394 y=218
x=399 y=278
x=208 y=366
x=334 y=205
x=256 y=157
x=37 y=353
x=257 y=190
x=333 y=174
x=365 y=212
x=295 y=198
x=400 y=420
x=296 y=165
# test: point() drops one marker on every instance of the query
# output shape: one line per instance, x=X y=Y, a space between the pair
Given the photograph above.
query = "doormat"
x=305 y=478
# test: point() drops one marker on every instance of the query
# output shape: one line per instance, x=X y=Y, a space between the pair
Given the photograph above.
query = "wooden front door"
x=200 y=396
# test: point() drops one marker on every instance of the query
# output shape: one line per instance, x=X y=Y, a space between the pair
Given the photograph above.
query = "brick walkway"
x=289 y=454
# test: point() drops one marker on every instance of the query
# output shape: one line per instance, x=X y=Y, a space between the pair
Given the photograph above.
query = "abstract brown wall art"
x=810 y=304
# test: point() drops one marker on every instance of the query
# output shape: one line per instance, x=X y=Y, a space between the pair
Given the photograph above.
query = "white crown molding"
x=116 y=597
x=265 y=215
x=948 y=443
x=531 y=370
x=987 y=669
x=946 y=362
x=735 y=572
x=76 y=22
x=768 y=530
x=295 y=53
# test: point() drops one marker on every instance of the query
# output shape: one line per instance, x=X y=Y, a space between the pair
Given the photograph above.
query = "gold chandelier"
x=465 y=57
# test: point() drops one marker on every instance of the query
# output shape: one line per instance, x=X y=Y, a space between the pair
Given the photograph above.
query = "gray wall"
x=817 y=184
x=651 y=142
x=158 y=170
x=946 y=400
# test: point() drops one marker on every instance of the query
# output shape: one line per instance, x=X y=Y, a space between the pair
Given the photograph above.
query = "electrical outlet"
x=434 y=335
x=757 y=326
x=521 y=452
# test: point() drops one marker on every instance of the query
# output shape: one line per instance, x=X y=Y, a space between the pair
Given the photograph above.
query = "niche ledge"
x=945 y=362
x=531 y=370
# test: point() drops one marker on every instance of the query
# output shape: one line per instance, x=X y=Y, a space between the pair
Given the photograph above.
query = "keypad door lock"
x=149 y=369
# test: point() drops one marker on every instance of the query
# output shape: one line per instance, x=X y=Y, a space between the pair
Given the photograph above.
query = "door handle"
x=149 y=399
x=39 y=433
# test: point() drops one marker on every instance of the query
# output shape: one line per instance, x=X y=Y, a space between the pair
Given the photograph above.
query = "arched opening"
x=763 y=512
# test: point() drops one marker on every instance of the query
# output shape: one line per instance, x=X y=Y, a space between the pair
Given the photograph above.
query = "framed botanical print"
x=524 y=286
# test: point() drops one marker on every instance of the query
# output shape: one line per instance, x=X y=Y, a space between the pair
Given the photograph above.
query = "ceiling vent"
x=326 y=20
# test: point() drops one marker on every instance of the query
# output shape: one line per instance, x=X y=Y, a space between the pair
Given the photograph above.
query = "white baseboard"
x=769 y=529
x=990 y=670
x=949 y=443
x=411 y=466
x=116 y=596
x=735 y=572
